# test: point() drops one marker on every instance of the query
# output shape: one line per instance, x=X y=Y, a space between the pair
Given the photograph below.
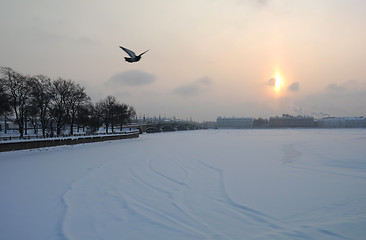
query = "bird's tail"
x=128 y=60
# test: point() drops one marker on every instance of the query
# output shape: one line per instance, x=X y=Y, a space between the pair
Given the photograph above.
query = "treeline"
x=53 y=105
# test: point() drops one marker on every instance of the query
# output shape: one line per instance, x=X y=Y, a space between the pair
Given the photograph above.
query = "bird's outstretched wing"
x=129 y=52
x=144 y=52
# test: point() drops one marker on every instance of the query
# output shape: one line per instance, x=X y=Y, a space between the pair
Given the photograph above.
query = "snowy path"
x=266 y=184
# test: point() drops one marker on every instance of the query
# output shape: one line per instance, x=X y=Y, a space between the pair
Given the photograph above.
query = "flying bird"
x=133 y=58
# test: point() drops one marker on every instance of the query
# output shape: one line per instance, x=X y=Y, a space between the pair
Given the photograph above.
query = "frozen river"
x=209 y=184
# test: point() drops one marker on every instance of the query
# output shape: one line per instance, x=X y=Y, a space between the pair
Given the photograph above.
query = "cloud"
x=271 y=82
x=55 y=38
x=188 y=90
x=131 y=78
x=344 y=99
x=197 y=87
x=206 y=81
x=294 y=87
x=259 y=2
x=347 y=86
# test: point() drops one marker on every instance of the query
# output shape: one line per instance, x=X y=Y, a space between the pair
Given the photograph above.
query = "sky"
x=207 y=58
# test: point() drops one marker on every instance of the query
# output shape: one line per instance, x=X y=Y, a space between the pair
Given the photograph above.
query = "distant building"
x=342 y=122
x=260 y=123
x=288 y=121
x=209 y=125
x=234 y=122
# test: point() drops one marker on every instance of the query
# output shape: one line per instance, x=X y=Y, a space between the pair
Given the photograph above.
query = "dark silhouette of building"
x=260 y=123
x=288 y=121
x=234 y=122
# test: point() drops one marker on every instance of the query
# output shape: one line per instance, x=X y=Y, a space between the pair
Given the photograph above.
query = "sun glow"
x=278 y=83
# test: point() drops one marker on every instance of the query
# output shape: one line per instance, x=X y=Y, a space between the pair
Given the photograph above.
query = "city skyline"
x=207 y=59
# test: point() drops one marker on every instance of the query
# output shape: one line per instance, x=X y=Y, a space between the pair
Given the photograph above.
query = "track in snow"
x=285 y=184
x=162 y=195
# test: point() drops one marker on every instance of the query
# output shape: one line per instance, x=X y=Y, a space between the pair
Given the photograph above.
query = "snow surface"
x=209 y=184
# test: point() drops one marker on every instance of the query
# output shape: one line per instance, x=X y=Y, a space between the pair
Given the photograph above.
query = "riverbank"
x=51 y=142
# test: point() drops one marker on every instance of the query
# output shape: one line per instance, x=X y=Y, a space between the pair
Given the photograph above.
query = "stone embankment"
x=30 y=144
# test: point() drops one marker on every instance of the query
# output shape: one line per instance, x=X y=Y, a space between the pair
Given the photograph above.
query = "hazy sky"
x=207 y=58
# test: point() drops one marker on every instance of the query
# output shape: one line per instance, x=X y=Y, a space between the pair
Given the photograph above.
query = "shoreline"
x=52 y=142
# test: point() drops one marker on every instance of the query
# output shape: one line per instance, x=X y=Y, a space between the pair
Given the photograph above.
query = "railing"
x=30 y=137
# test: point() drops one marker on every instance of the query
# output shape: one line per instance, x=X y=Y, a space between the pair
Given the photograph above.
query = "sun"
x=278 y=83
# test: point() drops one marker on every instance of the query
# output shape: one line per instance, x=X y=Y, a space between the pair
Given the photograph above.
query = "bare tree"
x=122 y=115
x=41 y=98
x=5 y=107
x=131 y=113
x=114 y=113
x=108 y=111
x=31 y=115
x=95 y=117
x=83 y=114
x=125 y=114
x=60 y=108
x=77 y=98
x=4 y=100
x=17 y=87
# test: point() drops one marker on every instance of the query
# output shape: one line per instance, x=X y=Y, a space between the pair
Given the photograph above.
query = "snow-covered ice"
x=209 y=184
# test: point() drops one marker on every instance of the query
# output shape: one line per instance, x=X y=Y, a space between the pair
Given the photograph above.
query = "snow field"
x=212 y=184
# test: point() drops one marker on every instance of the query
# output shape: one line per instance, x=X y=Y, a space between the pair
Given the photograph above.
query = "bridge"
x=165 y=126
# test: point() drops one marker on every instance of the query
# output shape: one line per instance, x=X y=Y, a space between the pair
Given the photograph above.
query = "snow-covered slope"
x=213 y=184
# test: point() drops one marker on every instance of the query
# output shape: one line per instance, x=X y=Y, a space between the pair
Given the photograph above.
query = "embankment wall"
x=22 y=145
